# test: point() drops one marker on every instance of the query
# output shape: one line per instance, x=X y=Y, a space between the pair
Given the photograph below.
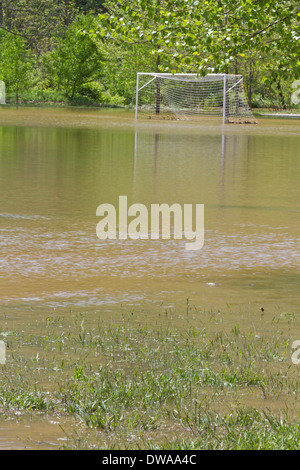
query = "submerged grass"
x=157 y=387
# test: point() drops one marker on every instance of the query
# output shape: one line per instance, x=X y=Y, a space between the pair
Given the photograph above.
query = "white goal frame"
x=230 y=83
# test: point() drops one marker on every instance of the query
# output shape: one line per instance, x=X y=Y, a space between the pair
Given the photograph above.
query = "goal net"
x=189 y=96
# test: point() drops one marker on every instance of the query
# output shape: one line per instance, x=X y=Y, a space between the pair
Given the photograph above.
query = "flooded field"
x=58 y=165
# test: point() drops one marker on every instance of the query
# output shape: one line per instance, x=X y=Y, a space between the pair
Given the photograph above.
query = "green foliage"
x=90 y=5
x=41 y=93
x=39 y=22
x=205 y=35
x=257 y=39
x=17 y=63
x=76 y=60
x=96 y=93
x=119 y=73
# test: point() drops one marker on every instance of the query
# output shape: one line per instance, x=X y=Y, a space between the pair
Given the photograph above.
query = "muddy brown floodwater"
x=58 y=165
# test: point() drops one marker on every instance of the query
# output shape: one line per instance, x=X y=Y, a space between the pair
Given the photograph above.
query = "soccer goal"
x=189 y=96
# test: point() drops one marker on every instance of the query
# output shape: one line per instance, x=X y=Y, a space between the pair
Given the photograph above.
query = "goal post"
x=190 y=96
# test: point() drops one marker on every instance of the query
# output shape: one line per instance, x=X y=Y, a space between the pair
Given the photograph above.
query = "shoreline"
x=258 y=112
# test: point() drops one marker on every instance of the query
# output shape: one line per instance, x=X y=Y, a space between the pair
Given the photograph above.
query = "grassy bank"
x=205 y=385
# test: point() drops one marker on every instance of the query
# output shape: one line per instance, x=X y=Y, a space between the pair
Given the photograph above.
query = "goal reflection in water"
x=243 y=180
x=227 y=144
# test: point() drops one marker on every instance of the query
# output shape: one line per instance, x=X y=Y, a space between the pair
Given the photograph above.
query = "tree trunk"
x=281 y=95
x=17 y=93
x=1 y=12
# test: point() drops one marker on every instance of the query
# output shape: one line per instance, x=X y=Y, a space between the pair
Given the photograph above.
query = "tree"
x=76 y=60
x=16 y=63
x=119 y=72
x=90 y=5
x=206 y=35
x=139 y=24
x=201 y=36
x=36 y=21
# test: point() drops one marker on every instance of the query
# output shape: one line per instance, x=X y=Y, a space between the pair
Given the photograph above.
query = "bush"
x=76 y=60
x=258 y=101
x=95 y=92
x=18 y=65
x=38 y=93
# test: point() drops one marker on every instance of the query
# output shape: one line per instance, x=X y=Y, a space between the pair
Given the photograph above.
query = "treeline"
x=89 y=51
